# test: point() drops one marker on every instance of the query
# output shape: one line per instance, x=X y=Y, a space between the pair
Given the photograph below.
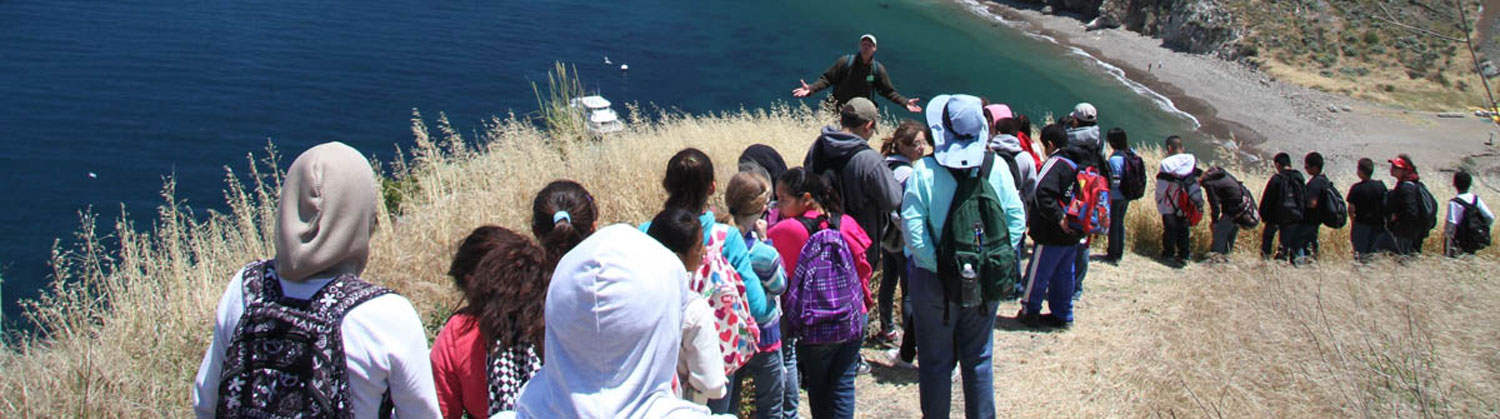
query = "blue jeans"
x=766 y=369
x=1369 y=238
x=829 y=370
x=791 y=386
x=1049 y=278
x=965 y=337
x=1080 y=268
x=1117 y=210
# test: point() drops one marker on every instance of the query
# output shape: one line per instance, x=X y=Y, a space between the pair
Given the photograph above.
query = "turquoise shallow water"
x=136 y=90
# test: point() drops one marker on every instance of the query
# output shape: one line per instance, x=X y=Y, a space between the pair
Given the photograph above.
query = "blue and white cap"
x=959 y=131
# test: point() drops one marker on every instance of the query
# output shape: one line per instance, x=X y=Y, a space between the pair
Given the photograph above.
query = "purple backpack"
x=824 y=299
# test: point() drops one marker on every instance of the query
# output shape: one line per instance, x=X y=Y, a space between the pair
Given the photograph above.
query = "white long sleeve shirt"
x=384 y=347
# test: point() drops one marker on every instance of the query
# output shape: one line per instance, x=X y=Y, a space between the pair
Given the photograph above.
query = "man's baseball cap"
x=869 y=37
x=959 y=131
x=860 y=108
x=1085 y=112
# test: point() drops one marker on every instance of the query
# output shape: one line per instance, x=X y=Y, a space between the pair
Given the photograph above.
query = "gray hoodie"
x=1009 y=145
x=868 y=188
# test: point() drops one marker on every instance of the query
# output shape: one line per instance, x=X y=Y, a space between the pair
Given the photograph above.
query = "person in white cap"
x=958 y=202
x=857 y=75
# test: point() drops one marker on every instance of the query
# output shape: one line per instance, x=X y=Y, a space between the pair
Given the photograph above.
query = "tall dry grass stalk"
x=129 y=314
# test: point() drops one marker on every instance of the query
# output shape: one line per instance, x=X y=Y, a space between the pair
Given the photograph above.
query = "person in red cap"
x=857 y=75
x=1411 y=210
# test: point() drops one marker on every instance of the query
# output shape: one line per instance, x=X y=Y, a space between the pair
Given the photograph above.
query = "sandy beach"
x=1263 y=115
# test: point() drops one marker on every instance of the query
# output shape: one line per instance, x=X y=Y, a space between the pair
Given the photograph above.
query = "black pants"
x=1268 y=240
x=1117 y=210
x=1307 y=239
x=893 y=273
x=1225 y=232
x=1174 y=236
x=1409 y=245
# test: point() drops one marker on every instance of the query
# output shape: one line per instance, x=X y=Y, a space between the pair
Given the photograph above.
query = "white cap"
x=1085 y=112
x=869 y=37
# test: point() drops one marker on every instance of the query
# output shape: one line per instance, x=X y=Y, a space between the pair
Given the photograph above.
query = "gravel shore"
x=1264 y=116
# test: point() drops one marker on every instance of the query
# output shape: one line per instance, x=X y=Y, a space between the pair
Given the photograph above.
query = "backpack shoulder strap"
x=343 y=294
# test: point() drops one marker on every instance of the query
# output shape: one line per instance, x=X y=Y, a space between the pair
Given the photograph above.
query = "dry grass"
x=126 y=328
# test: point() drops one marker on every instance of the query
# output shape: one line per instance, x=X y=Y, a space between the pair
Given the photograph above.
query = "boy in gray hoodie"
x=1178 y=175
x=868 y=188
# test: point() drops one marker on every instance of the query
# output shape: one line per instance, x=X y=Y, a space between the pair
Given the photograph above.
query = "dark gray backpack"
x=286 y=358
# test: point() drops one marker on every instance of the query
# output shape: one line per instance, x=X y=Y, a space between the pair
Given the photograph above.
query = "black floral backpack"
x=286 y=358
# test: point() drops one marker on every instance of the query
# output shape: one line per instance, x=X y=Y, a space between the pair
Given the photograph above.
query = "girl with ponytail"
x=562 y=215
x=829 y=368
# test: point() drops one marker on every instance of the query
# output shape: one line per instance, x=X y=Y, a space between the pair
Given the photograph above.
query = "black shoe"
x=1052 y=321
x=1030 y=320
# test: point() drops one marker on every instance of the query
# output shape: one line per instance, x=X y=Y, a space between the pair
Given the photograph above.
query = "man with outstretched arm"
x=857 y=75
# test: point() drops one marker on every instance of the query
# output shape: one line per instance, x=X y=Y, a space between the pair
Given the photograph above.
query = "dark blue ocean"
x=134 y=91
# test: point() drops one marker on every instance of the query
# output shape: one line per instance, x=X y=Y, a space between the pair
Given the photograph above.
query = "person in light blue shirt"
x=950 y=334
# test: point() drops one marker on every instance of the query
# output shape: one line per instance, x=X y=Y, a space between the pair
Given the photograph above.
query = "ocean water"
x=134 y=91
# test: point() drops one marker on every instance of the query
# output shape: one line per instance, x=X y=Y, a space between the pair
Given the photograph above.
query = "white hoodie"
x=612 y=344
x=1177 y=167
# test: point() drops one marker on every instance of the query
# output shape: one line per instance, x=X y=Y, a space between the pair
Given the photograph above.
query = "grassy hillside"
x=126 y=328
x=1407 y=52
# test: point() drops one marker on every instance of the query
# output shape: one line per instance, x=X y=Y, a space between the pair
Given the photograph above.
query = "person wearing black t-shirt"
x=1366 y=200
x=1317 y=185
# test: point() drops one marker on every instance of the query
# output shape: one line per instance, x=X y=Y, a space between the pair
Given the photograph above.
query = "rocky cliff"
x=1195 y=26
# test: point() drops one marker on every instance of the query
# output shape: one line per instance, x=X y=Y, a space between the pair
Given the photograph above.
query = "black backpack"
x=892 y=240
x=1133 y=176
x=1473 y=231
x=1428 y=210
x=1291 y=200
x=286 y=358
x=1249 y=216
x=1335 y=210
x=1015 y=170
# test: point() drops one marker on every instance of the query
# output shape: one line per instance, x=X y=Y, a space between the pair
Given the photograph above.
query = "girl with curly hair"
x=492 y=345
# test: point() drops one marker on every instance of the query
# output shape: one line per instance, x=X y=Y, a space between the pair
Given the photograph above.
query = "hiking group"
x=670 y=318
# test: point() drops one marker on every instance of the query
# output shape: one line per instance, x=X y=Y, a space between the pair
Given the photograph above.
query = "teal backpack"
x=975 y=260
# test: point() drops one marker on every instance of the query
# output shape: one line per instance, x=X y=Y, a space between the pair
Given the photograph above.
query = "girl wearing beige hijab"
x=284 y=325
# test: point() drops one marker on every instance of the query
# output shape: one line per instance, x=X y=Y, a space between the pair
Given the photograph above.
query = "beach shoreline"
x=1248 y=110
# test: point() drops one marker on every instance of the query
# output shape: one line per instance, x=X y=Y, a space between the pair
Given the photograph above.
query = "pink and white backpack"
x=718 y=282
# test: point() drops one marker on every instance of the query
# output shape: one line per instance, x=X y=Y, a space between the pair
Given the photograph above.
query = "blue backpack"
x=825 y=301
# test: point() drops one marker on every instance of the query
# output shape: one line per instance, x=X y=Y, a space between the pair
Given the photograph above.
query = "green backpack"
x=975 y=260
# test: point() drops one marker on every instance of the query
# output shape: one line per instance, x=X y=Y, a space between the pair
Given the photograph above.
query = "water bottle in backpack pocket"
x=975 y=260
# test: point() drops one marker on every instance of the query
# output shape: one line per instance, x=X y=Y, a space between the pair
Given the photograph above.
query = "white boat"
x=601 y=119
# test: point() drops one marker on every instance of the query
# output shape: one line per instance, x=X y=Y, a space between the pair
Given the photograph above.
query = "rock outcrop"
x=1195 y=26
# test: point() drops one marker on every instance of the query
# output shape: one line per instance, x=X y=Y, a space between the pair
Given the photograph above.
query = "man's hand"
x=802 y=91
x=1064 y=223
x=911 y=105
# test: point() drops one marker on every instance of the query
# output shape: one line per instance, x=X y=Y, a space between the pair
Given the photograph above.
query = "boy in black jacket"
x=1226 y=199
x=1367 y=233
x=1281 y=208
x=1050 y=271
x=1317 y=186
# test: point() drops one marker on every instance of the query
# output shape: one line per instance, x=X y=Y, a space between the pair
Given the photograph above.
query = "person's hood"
x=767 y=158
x=1006 y=143
x=326 y=213
x=1180 y=165
x=612 y=346
x=836 y=145
x=1214 y=174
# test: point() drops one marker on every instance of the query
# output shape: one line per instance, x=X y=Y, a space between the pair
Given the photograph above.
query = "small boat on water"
x=601 y=119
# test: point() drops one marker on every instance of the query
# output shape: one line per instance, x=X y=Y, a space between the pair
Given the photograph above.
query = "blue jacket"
x=738 y=255
x=929 y=194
